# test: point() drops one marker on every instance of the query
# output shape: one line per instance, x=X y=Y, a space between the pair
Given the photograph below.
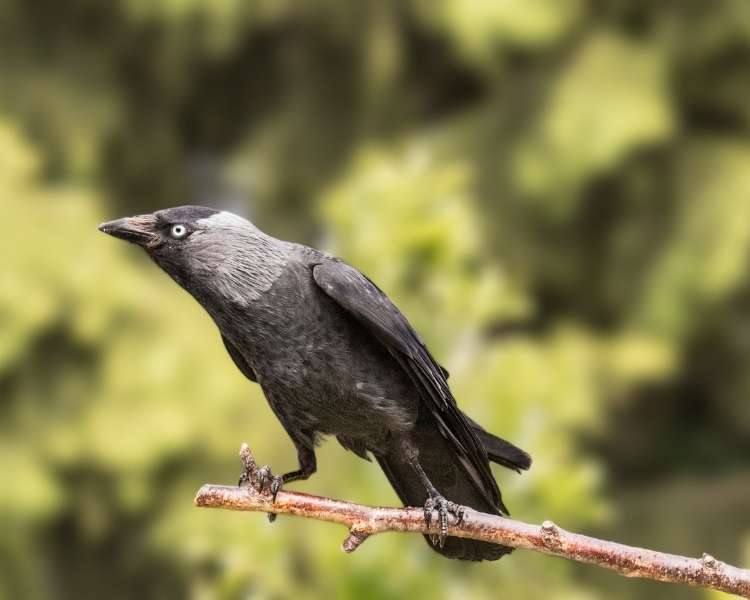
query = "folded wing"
x=366 y=303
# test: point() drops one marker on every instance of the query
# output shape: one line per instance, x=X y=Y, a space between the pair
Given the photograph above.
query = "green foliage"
x=706 y=257
x=481 y=28
x=555 y=193
x=612 y=97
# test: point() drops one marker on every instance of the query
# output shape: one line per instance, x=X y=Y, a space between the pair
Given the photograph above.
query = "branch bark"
x=364 y=521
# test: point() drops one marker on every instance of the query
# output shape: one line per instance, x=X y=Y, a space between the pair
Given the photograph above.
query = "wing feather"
x=239 y=360
x=374 y=310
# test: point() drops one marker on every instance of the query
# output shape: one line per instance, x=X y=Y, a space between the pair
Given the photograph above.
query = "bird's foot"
x=268 y=482
x=444 y=508
x=264 y=481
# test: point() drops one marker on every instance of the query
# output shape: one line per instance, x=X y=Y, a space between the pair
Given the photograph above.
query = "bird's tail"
x=501 y=451
x=448 y=474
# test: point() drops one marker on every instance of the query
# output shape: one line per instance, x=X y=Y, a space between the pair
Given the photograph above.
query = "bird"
x=333 y=356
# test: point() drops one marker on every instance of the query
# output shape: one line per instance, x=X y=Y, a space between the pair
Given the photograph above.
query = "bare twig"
x=364 y=521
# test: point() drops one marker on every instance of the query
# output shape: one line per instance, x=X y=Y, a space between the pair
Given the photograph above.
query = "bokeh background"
x=556 y=192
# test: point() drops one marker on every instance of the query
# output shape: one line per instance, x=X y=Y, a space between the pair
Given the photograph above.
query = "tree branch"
x=364 y=521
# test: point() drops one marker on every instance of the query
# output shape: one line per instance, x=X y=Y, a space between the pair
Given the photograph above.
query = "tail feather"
x=501 y=451
x=504 y=453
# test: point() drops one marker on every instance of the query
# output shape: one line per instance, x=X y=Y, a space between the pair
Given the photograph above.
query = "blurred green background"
x=556 y=192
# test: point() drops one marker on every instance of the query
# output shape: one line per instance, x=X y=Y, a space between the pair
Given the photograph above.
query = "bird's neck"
x=242 y=271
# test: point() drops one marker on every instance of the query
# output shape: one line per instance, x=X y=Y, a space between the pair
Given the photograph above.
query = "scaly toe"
x=276 y=483
x=444 y=508
x=429 y=506
x=263 y=478
x=443 y=513
x=458 y=511
x=268 y=482
x=244 y=479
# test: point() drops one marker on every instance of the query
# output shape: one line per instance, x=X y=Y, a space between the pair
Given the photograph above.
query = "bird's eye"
x=178 y=231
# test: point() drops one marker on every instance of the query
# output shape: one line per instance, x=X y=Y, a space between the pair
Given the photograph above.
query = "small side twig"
x=364 y=521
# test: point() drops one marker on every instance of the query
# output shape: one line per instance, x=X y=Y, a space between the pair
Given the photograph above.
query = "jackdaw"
x=333 y=356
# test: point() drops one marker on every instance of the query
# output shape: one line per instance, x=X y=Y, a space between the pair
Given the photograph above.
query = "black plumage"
x=334 y=356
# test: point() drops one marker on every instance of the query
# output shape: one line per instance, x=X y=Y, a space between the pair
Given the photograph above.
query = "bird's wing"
x=239 y=360
x=372 y=308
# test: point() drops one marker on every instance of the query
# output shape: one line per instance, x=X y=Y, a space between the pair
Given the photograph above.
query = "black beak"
x=139 y=230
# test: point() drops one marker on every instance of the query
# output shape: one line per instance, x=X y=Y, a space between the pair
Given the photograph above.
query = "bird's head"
x=165 y=231
x=201 y=248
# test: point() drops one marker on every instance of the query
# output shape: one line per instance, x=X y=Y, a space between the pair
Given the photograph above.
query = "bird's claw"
x=264 y=481
x=444 y=508
x=276 y=483
x=268 y=482
x=245 y=479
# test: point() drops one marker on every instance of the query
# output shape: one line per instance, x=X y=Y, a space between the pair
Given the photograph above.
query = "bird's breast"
x=319 y=366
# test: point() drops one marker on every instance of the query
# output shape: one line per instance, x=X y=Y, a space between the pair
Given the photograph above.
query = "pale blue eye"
x=178 y=231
